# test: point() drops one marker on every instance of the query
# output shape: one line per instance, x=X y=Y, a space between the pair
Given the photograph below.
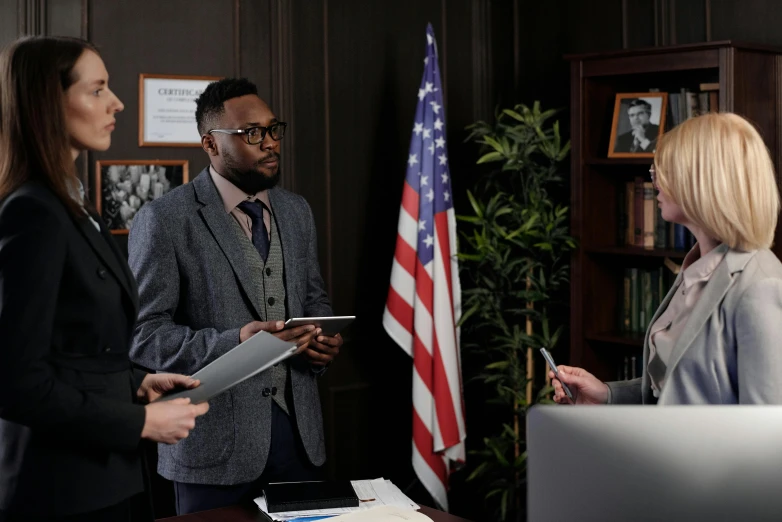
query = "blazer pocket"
x=212 y=440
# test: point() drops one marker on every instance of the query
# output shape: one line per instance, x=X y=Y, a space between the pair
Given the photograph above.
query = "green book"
x=635 y=301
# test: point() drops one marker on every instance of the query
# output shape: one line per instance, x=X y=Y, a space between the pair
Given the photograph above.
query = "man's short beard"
x=249 y=181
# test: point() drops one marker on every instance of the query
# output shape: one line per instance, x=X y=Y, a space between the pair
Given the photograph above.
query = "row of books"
x=642 y=292
x=632 y=368
x=686 y=103
x=641 y=224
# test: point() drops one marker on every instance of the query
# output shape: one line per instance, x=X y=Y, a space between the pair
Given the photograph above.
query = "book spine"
x=714 y=101
x=650 y=215
x=630 y=209
x=648 y=308
x=660 y=230
x=680 y=237
x=638 y=209
x=626 y=321
x=635 y=301
x=621 y=217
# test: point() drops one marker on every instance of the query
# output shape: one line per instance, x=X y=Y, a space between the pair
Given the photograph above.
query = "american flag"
x=424 y=298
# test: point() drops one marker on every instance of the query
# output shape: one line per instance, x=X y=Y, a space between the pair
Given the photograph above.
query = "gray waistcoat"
x=270 y=287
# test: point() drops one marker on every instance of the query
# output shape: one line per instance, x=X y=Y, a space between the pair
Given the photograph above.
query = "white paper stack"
x=371 y=493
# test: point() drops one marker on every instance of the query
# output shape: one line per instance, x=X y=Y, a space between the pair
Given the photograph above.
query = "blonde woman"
x=716 y=337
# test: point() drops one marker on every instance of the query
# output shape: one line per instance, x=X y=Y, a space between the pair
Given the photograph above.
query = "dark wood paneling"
x=689 y=21
x=63 y=17
x=638 y=25
x=750 y=20
x=9 y=24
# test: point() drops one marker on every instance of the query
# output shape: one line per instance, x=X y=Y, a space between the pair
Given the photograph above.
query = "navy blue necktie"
x=254 y=209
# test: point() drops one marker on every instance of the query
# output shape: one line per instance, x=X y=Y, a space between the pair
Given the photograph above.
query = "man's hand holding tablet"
x=325 y=346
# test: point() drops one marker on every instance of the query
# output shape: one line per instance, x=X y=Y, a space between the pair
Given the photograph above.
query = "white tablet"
x=331 y=326
x=258 y=353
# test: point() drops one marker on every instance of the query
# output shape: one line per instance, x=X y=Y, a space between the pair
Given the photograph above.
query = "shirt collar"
x=700 y=268
x=233 y=195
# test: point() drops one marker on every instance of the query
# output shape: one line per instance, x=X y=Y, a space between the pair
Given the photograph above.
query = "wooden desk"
x=251 y=513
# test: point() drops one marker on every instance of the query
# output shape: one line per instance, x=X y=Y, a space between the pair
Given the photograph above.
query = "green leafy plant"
x=515 y=250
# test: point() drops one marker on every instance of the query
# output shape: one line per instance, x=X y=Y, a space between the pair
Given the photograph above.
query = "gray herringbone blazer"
x=195 y=294
x=730 y=351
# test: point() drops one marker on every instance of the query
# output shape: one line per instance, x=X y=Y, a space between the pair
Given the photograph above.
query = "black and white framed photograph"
x=638 y=122
x=124 y=186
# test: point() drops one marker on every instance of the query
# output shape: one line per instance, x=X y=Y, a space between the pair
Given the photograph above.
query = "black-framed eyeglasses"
x=651 y=175
x=255 y=135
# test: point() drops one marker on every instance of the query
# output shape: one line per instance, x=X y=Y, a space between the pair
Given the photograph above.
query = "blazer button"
x=101 y=272
x=274 y=390
x=268 y=271
x=266 y=392
x=107 y=349
x=271 y=301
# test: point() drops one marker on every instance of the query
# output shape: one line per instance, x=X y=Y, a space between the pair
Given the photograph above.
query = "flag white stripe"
x=402 y=282
x=408 y=228
x=397 y=332
x=446 y=337
x=431 y=482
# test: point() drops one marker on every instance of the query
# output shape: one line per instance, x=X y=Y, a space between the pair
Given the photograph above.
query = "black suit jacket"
x=69 y=429
x=624 y=142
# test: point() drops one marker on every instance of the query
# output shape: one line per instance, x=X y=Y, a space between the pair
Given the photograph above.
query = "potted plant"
x=515 y=252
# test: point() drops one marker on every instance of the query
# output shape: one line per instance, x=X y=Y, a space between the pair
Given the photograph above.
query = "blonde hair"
x=717 y=168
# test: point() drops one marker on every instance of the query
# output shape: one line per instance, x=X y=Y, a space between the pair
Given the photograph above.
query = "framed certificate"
x=167 y=109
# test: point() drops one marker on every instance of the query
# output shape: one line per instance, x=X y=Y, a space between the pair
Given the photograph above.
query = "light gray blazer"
x=730 y=351
x=195 y=294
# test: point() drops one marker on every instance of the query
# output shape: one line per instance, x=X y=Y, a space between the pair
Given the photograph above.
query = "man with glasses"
x=218 y=260
x=643 y=134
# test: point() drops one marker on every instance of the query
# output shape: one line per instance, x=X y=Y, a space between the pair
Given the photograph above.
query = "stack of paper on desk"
x=383 y=514
x=372 y=493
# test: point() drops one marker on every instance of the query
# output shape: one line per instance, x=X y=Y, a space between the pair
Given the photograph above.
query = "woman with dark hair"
x=73 y=410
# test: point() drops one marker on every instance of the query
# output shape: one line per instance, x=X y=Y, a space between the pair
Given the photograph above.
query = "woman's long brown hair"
x=35 y=73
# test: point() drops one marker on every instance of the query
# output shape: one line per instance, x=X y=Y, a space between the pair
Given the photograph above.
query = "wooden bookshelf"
x=749 y=84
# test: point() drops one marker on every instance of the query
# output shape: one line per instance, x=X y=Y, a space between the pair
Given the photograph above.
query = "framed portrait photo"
x=167 y=105
x=123 y=186
x=639 y=121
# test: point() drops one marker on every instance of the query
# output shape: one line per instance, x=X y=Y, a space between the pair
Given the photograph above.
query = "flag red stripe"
x=425 y=444
x=424 y=287
x=444 y=238
x=446 y=416
x=401 y=311
x=422 y=362
x=410 y=201
x=405 y=255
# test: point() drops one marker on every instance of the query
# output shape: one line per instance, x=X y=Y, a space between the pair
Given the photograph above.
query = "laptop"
x=650 y=463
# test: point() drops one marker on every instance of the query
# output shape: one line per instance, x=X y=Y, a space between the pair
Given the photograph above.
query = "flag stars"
x=435 y=107
x=440 y=142
x=429 y=39
x=430 y=195
x=427 y=133
x=429 y=240
x=438 y=124
x=429 y=87
x=422 y=224
x=418 y=128
x=421 y=94
x=442 y=157
x=413 y=159
x=445 y=177
x=446 y=195
x=431 y=149
x=424 y=180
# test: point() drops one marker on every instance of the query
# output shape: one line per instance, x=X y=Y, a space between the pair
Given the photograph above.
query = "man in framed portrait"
x=643 y=134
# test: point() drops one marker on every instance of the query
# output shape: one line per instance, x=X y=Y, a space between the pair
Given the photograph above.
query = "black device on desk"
x=301 y=496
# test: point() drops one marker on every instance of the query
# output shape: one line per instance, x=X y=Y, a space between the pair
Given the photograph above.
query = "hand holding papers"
x=330 y=326
x=258 y=353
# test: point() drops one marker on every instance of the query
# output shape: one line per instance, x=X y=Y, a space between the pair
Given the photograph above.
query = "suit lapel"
x=713 y=292
x=645 y=384
x=220 y=223
x=102 y=245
